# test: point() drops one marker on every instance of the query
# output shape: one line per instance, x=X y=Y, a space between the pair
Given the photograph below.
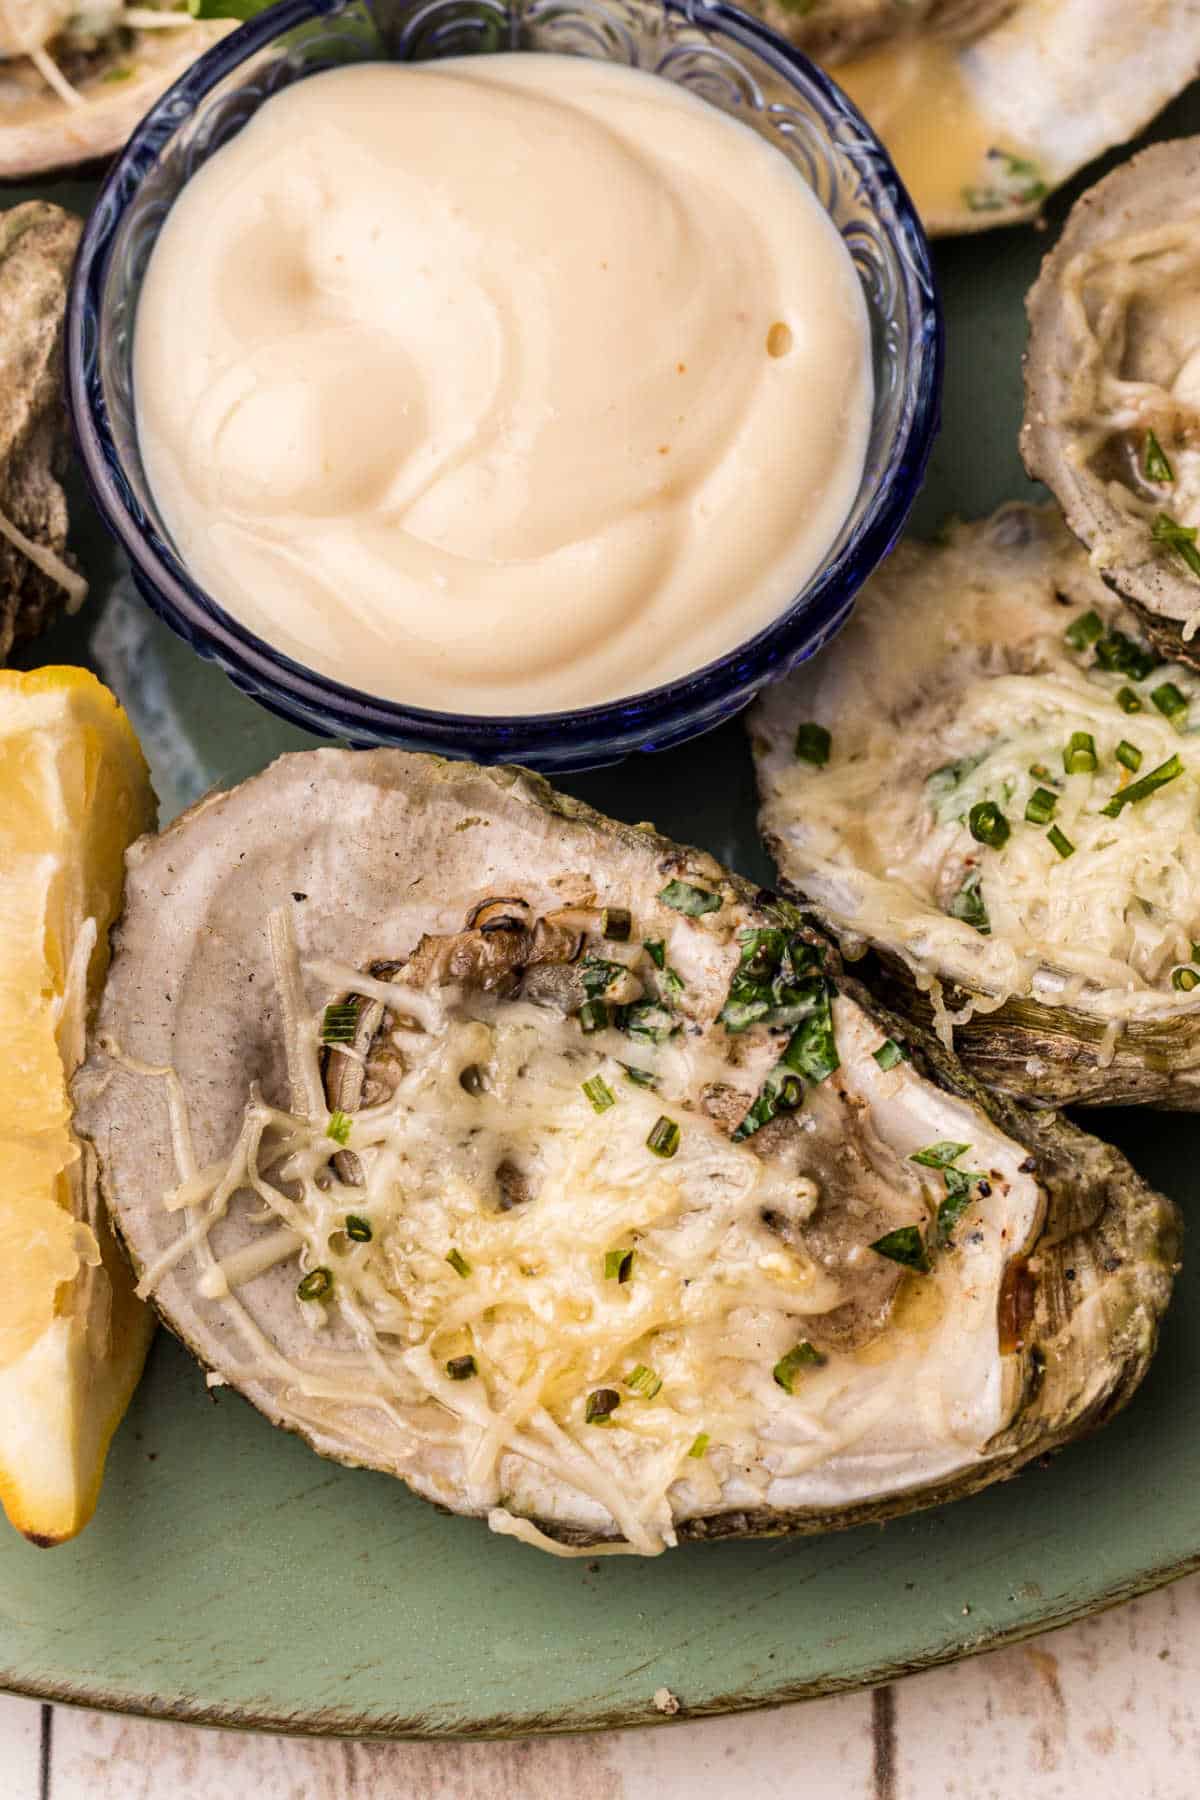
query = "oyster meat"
x=1004 y=811
x=1112 y=385
x=550 y=1167
x=988 y=105
x=37 y=248
x=76 y=79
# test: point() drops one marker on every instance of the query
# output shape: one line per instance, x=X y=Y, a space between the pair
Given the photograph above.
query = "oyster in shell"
x=74 y=81
x=37 y=248
x=1004 y=811
x=550 y=1167
x=1112 y=385
x=988 y=105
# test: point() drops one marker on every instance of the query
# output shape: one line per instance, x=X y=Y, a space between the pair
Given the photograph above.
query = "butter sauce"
x=501 y=384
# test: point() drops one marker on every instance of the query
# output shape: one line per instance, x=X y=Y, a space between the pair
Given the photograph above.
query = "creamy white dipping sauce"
x=501 y=384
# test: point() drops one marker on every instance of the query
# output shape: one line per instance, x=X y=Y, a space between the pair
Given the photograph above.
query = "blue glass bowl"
x=733 y=62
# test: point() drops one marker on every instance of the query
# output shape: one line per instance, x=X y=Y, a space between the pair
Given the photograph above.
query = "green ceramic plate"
x=232 y=1577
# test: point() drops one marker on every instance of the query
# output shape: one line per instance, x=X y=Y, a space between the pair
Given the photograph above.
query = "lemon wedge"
x=74 y=792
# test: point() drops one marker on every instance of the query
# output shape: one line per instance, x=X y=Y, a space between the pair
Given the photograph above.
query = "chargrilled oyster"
x=37 y=247
x=982 y=102
x=75 y=79
x=990 y=779
x=545 y=1164
x=1112 y=385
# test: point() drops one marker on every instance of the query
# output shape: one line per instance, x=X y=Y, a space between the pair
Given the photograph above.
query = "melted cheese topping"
x=932 y=711
x=712 y=1300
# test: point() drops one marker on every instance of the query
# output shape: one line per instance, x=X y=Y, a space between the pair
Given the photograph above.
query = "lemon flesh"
x=74 y=793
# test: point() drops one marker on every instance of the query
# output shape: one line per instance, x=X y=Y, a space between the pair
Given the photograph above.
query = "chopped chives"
x=599 y=1093
x=338 y=1127
x=358 y=1228
x=316 y=1285
x=639 y=1077
x=968 y=905
x=1122 y=655
x=593 y=1016
x=618 y=1265
x=1155 y=466
x=1196 y=953
x=461 y=1368
x=905 y=1246
x=700 y=1444
x=616 y=924
x=1129 y=756
x=1141 y=790
x=802 y=1355
x=602 y=1403
x=1079 y=757
x=664 y=1138
x=813 y=744
x=339 y=1023
x=988 y=824
x=1180 y=538
x=1061 y=842
x=1082 y=632
x=1185 y=979
x=1169 y=701
x=458 y=1263
x=643 y=1381
x=1128 y=701
x=939 y=1156
x=889 y=1054
x=1039 y=808
x=693 y=901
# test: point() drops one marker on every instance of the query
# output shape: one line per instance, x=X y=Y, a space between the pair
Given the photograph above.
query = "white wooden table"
x=1106 y=1710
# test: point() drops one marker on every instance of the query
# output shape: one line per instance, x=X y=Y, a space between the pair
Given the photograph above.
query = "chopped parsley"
x=968 y=905
x=1121 y=655
x=777 y=980
x=813 y=745
x=802 y=1356
x=939 y=1156
x=905 y=1246
x=889 y=1054
x=693 y=901
x=1082 y=632
x=1180 y=538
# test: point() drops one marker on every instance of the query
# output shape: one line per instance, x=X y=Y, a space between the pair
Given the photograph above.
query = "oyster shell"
x=119 y=76
x=988 y=105
x=37 y=247
x=1112 y=385
x=1057 y=942
x=614 y=1258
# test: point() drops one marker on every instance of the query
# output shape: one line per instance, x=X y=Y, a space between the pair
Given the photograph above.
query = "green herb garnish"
x=968 y=905
x=639 y=1077
x=1170 y=702
x=643 y=1381
x=598 y=975
x=316 y=1285
x=959 y=1183
x=777 y=980
x=598 y=1093
x=700 y=1444
x=939 y=1156
x=227 y=9
x=338 y=1127
x=461 y=1368
x=656 y=950
x=1120 y=655
x=813 y=744
x=358 y=1228
x=889 y=1054
x=693 y=901
x=1185 y=980
x=1129 y=756
x=802 y=1356
x=1180 y=538
x=458 y=1263
x=616 y=923
x=1079 y=757
x=339 y=1023
x=905 y=1246
x=1141 y=790
x=812 y=1052
x=1155 y=466
x=1039 y=808
x=1061 y=842
x=988 y=824
x=646 y=1019
x=602 y=1403
x=664 y=1137
x=1128 y=701
x=618 y=1265
x=593 y=1016
x=1082 y=632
